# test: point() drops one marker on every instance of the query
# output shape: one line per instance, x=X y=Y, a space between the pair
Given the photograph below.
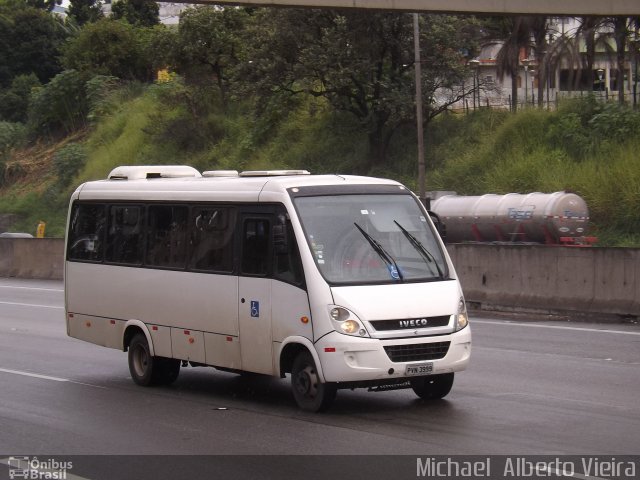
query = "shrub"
x=60 y=107
x=68 y=161
x=12 y=135
x=99 y=95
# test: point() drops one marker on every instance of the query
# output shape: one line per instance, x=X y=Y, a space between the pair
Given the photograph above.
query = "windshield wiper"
x=426 y=255
x=392 y=266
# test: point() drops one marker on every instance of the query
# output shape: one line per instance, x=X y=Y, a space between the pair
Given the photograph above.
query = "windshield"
x=359 y=239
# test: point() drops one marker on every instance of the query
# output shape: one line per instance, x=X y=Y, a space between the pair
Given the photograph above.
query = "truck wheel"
x=433 y=387
x=147 y=370
x=165 y=370
x=310 y=393
x=141 y=363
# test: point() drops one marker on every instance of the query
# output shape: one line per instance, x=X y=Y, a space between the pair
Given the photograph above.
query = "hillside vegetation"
x=586 y=147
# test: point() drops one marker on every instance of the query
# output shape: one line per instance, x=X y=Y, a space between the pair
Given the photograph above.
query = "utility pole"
x=422 y=188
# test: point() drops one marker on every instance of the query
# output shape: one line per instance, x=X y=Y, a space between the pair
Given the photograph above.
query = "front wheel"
x=432 y=387
x=310 y=393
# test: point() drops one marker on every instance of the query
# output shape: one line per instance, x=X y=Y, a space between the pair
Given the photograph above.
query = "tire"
x=165 y=370
x=310 y=393
x=147 y=370
x=433 y=387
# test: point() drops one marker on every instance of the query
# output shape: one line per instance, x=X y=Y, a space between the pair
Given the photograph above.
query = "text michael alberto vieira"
x=524 y=467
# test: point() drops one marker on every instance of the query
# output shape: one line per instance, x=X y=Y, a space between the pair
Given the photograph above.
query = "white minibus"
x=340 y=281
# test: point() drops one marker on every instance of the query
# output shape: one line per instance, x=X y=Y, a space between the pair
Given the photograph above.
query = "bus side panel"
x=289 y=309
x=187 y=345
x=161 y=338
x=222 y=350
x=101 y=331
x=192 y=301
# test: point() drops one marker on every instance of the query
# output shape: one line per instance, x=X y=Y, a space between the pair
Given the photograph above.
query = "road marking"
x=34 y=288
x=29 y=305
x=35 y=375
x=47 y=377
x=557 y=327
x=21 y=468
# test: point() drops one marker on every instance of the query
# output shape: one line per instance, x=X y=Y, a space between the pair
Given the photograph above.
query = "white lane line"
x=29 y=305
x=556 y=327
x=46 y=377
x=22 y=467
x=35 y=375
x=34 y=288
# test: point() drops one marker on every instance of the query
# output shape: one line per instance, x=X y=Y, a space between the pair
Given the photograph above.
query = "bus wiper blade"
x=392 y=266
x=426 y=255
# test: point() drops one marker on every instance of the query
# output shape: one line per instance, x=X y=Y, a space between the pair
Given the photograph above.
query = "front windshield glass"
x=360 y=239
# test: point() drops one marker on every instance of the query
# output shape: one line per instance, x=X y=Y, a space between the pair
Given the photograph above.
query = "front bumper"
x=350 y=359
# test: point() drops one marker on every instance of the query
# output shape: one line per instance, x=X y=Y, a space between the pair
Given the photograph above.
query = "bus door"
x=254 y=294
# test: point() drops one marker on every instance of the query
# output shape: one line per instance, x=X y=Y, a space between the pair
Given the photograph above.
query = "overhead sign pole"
x=493 y=7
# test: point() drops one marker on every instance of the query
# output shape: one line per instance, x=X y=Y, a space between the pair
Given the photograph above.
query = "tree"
x=83 y=11
x=517 y=40
x=43 y=4
x=611 y=34
x=362 y=62
x=108 y=47
x=30 y=41
x=15 y=100
x=208 y=43
x=539 y=26
x=143 y=13
x=60 y=106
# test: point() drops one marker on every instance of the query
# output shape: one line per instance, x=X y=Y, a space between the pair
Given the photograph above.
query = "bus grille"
x=413 y=353
x=412 y=323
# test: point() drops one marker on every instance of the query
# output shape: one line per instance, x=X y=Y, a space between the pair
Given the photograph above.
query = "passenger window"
x=255 y=247
x=212 y=239
x=124 y=238
x=167 y=236
x=86 y=233
x=287 y=263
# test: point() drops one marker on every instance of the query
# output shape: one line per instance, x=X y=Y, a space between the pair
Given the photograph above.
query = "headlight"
x=462 y=319
x=345 y=321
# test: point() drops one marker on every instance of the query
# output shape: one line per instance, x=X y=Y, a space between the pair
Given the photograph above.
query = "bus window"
x=166 y=236
x=287 y=265
x=86 y=232
x=255 y=246
x=212 y=239
x=124 y=238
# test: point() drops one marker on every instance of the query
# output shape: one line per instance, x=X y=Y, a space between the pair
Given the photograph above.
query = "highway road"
x=533 y=388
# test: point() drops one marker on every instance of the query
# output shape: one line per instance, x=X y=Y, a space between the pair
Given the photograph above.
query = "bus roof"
x=178 y=183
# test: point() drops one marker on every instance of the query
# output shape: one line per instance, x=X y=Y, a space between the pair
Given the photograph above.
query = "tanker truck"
x=559 y=218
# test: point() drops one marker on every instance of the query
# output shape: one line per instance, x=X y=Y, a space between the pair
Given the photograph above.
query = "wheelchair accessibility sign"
x=255 y=308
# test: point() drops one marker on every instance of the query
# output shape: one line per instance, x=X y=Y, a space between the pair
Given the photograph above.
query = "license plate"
x=419 y=369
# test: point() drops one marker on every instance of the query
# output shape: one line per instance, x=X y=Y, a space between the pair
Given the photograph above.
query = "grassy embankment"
x=584 y=147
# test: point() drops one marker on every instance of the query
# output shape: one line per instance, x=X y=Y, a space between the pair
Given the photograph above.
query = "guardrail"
x=532 y=278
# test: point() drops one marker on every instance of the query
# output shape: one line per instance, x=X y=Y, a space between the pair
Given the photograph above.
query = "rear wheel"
x=166 y=370
x=310 y=393
x=147 y=370
x=432 y=387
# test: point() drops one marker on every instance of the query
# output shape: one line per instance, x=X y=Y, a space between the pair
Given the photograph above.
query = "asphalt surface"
x=533 y=388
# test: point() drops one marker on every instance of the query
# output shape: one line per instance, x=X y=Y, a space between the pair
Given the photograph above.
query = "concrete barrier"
x=32 y=258
x=556 y=280
x=532 y=278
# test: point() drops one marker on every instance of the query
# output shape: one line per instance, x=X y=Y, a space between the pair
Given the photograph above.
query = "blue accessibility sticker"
x=393 y=271
x=255 y=308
